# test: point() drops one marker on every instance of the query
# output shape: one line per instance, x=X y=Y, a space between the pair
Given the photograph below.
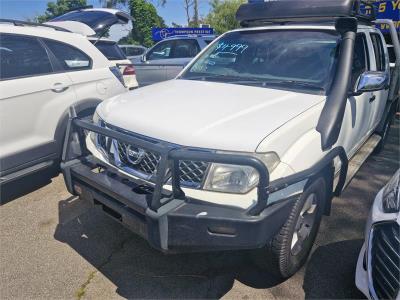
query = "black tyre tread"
x=274 y=261
x=378 y=149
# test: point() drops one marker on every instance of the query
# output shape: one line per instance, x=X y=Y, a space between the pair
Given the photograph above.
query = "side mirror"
x=371 y=81
x=143 y=58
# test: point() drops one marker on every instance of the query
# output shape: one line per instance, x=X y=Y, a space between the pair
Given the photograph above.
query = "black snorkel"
x=331 y=119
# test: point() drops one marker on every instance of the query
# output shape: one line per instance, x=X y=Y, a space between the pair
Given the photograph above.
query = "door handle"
x=59 y=87
x=372 y=99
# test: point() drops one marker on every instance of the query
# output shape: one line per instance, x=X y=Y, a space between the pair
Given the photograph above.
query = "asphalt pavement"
x=55 y=246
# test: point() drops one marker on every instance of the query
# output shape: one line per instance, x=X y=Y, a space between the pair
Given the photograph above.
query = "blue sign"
x=163 y=33
x=386 y=10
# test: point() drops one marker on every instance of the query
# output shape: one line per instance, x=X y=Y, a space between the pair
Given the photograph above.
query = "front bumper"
x=169 y=220
x=179 y=225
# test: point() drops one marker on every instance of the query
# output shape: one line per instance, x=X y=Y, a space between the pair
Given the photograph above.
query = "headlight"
x=238 y=179
x=97 y=121
x=391 y=197
x=96 y=118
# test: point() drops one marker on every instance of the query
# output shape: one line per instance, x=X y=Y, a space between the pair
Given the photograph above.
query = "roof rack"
x=299 y=11
x=26 y=23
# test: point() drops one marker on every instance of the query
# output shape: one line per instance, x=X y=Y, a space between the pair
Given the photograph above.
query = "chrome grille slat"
x=386 y=240
x=385 y=273
x=385 y=260
x=386 y=256
x=382 y=292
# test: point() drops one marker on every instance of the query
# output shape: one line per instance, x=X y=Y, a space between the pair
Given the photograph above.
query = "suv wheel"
x=289 y=249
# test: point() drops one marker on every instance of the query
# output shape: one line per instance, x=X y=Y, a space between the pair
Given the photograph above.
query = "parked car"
x=167 y=58
x=246 y=148
x=378 y=271
x=93 y=23
x=133 y=52
x=43 y=71
x=117 y=57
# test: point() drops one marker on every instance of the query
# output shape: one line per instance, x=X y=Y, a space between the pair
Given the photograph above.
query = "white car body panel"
x=206 y=120
x=31 y=111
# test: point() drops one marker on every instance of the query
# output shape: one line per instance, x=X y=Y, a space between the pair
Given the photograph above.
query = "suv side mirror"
x=143 y=58
x=371 y=81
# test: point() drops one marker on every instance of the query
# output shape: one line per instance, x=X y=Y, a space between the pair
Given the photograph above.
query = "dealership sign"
x=387 y=10
x=163 y=33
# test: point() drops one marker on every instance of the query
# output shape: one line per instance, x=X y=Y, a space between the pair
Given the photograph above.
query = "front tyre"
x=289 y=249
x=384 y=134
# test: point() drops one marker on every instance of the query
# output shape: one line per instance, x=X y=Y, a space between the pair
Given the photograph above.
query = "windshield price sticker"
x=233 y=48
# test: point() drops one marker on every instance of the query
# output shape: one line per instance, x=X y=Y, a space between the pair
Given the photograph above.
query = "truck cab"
x=246 y=148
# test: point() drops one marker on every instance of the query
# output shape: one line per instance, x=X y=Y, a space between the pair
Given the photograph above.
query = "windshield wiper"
x=265 y=83
x=205 y=77
x=300 y=83
x=255 y=81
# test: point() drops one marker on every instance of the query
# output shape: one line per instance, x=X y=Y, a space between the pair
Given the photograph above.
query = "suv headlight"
x=391 y=197
x=94 y=137
x=238 y=179
x=96 y=118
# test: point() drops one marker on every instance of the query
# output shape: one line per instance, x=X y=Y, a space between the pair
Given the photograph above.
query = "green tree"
x=145 y=17
x=58 y=8
x=127 y=40
x=222 y=16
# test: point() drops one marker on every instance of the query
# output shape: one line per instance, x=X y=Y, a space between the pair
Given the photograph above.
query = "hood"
x=206 y=114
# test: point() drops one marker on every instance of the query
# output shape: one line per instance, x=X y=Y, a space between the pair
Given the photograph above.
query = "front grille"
x=192 y=173
x=385 y=260
x=148 y=162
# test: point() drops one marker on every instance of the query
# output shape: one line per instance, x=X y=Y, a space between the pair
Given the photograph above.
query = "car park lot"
x=52 y=247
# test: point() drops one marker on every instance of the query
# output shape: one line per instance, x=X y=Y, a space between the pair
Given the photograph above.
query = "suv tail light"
x=117 y=73
x=129 y=70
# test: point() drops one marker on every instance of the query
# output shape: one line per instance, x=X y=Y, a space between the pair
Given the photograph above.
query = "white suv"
x=241 y=150
x=94 y=23
x=43 y=71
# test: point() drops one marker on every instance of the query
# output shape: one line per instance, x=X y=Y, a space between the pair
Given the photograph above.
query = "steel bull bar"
x=169 y=219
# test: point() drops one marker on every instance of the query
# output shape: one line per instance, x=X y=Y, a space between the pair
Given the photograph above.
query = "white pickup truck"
x=246 y=148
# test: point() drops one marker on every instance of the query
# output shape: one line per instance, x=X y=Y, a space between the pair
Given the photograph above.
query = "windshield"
x=110 y=50
x=303 y=60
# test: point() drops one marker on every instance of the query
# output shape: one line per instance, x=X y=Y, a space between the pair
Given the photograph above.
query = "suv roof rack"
x=26 y=23
x=284 y=11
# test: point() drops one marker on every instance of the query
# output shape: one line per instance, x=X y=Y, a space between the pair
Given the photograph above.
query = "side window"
x=134 y=51
x=361 y=58
x=379 y=52
x=161 y=51
x=22 y=56
x=185 y=48
x=123 y=49
x=70 y=58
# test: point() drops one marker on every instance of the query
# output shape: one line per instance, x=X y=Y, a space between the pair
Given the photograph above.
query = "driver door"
x=153 y=68
x=356 y=120
x=380 y=59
